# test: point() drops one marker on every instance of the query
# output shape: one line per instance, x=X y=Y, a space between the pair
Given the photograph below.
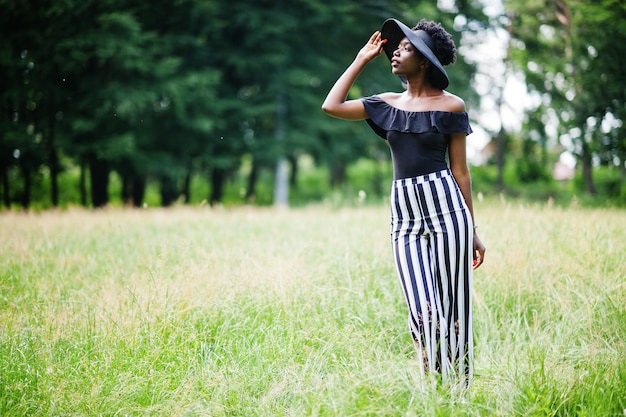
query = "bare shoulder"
x=453 y=103
x=390 y=97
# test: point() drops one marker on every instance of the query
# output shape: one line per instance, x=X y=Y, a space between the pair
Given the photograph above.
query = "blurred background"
x=207 y=102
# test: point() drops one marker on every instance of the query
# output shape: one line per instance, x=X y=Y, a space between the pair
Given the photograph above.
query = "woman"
x=433 y=235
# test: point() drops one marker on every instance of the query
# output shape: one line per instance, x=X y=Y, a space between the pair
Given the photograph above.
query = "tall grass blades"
x=263 y=312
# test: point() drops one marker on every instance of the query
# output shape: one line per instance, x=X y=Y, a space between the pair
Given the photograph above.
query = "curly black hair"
x=445 y=49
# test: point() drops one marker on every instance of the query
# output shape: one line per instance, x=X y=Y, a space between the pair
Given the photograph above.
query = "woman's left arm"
x=460 y=171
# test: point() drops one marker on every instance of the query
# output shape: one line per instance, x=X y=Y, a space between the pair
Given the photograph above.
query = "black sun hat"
x=394 y=30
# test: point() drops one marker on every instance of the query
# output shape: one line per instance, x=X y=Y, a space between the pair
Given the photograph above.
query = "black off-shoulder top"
x=418 y=140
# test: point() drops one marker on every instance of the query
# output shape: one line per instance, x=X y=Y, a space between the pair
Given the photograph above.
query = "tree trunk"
x=588 y=170
x=99 y=176
x=82 y=184
x=500 y=145
x=218 y=177
x=133 y=189
x=281 y=180
x=27 y=177
x=337 y=174
x=186 y=189
x=138 y=190
x=53 y=163
x=169 y=191
x=252 y=178
x=6 y=192
x=281 y=185
x=54 y=178
x=293 y=178
x=126 y=192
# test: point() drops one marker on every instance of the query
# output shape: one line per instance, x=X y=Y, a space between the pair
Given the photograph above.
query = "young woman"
x=433 y=233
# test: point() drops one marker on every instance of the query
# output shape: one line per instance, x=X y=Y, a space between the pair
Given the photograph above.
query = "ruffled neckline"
x=384 y=117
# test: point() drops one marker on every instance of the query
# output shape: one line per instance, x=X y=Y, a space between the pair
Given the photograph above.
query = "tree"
x=28 y=105
x=110 y=76
x=178 y=129
x=164 y=90
x=601 y=27
x=571 y=52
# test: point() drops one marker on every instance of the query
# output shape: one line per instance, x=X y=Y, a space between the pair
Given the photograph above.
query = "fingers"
x=479 y=257
x=372 y=48
x=375 y=38
x=478 y=261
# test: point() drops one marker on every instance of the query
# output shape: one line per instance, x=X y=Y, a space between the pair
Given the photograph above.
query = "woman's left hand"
x=479 y=251
x=372 y=48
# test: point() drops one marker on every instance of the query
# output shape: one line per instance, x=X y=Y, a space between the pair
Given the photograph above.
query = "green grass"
x=259 y=312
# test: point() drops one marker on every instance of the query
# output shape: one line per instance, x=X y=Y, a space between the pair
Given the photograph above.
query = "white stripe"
x=457 y=341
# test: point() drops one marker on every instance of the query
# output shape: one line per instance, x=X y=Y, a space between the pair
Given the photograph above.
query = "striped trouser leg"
x=431 y=236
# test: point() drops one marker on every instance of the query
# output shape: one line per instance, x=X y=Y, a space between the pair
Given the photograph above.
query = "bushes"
x=367 y=181
x=610 y=187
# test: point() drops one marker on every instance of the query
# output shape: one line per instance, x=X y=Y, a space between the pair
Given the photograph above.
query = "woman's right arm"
x=335 y=104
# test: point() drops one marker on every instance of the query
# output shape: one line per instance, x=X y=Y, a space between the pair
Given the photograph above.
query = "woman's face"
x=406 y=59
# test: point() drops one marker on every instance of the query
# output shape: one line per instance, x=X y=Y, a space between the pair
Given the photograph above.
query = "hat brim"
x=394 y=31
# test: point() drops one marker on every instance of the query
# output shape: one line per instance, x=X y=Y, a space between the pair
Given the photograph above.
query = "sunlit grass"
x=262 y=312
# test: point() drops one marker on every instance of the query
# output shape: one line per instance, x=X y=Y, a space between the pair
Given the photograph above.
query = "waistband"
x=423 y=178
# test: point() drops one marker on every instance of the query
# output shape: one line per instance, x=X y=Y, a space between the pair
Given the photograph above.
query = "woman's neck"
x=419 y=87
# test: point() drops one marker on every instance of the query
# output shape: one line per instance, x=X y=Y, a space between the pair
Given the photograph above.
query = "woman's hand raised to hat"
x=335 y=103
x=372 y=48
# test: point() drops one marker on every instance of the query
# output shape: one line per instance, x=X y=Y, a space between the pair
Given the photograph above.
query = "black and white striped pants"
x=431 y=236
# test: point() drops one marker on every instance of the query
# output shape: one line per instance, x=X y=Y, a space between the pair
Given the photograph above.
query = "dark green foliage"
x=163 y=92
x=572 y=54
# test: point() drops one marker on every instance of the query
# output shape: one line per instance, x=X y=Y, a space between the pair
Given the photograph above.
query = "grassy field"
x=259 y=312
